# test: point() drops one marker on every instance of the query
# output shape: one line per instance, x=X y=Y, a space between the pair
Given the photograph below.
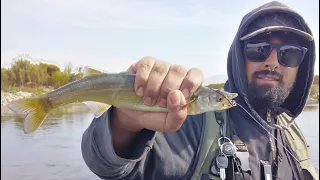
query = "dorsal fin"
x=87 y=71
x=124 y=72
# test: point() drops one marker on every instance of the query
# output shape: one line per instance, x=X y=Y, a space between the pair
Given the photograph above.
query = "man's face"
x=270 y=82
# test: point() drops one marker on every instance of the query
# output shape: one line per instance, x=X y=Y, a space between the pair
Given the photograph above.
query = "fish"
x=99 y=91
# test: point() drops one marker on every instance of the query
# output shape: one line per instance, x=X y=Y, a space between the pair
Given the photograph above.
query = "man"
x=270 y=66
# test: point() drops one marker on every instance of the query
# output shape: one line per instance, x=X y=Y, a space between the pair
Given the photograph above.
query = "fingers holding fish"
x=191 y=82
x=172 y=81
x=142 y=70
x=166 y=122
x=177 y=112
x=155 y=81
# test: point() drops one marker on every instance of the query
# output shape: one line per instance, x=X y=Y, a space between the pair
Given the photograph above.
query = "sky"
x=111 y=35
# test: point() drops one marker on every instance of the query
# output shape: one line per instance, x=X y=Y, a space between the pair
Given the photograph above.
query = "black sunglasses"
x=288 y=55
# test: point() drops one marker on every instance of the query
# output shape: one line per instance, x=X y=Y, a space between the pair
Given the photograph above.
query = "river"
x=53 y=151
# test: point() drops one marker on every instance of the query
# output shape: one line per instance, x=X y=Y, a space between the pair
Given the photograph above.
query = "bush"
x=314 y=89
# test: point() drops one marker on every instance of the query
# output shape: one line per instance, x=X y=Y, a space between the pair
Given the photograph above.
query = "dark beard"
x=266 y=97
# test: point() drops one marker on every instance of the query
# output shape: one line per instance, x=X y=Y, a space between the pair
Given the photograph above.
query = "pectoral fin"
x=97 y=108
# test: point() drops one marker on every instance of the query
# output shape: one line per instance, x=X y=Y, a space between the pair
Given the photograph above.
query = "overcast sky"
x=110 y=35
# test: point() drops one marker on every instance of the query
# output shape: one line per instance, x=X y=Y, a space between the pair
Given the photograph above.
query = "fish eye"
x=219 y=99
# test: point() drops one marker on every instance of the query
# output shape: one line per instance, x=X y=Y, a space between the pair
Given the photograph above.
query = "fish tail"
x=35 y=109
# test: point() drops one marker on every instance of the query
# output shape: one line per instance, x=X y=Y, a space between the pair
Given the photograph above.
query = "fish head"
x=226 y=98
x=210 y=99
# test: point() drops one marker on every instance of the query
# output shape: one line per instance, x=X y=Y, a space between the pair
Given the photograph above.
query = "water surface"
x=54 y=152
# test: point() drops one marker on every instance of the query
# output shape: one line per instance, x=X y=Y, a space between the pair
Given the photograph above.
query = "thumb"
x=177 y=112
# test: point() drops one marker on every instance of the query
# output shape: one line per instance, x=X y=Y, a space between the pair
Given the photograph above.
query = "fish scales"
x=99 y=82
x=102 y=90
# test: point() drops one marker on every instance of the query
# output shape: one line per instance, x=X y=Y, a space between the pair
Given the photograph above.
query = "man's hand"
x=159 y=83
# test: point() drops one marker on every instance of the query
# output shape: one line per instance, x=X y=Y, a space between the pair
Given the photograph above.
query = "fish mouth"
x=231 y=103
x=229 y=96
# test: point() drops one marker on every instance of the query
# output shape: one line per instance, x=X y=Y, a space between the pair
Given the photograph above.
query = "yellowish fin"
x=35 y=110
x=97 y=108
x=90 y=72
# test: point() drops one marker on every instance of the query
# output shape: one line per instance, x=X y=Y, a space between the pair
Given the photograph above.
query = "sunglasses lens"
x=290 y=56
x=257 y=50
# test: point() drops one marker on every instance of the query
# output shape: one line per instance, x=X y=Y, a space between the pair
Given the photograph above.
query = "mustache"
x=268 y=72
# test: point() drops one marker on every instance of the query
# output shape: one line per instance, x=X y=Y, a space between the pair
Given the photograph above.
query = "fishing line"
x=257 y=122
x=268 y=132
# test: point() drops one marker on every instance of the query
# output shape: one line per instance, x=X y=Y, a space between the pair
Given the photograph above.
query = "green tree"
x=4 y=78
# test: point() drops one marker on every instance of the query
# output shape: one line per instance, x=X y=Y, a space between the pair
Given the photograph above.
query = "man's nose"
x=272 y=61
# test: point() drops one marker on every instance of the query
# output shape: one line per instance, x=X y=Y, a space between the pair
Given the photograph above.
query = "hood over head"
x=273 y=16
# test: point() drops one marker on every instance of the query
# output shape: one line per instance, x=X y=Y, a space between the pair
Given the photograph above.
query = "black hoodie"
x=237 y=81
x=175 y=155
x=259 y=142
